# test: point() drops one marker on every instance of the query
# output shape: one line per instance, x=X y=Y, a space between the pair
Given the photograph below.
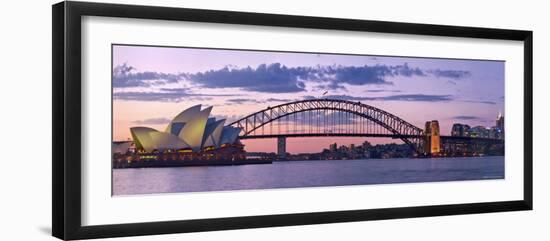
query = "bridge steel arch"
x=409 y=133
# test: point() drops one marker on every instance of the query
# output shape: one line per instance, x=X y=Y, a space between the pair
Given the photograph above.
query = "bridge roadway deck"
x=394 y=136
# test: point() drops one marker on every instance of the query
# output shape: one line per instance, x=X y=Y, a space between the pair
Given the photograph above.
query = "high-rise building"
x=500 y=121
x=494 y=133
x=480 y=132
x=333 y=147
x=366 y=145
x=500 y=126
x=460 y=130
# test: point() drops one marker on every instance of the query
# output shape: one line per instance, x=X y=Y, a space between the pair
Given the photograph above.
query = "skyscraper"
x=460 y=130
x=333 y=147
x=500 y=126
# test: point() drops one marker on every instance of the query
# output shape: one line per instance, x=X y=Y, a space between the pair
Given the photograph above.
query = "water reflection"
x=304 y=174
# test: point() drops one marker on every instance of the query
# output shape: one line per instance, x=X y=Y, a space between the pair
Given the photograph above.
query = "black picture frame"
x=66 y=159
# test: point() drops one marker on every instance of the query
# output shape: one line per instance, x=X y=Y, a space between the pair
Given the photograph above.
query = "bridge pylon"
x=281 y=147
x=432 y=141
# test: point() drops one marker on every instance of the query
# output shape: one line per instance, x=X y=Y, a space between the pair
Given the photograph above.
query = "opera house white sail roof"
x=191 y=129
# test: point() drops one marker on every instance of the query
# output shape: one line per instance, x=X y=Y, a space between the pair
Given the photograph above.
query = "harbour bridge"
x=336 y=117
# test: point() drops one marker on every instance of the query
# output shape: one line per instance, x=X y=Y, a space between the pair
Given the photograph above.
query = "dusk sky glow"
x=153 y=84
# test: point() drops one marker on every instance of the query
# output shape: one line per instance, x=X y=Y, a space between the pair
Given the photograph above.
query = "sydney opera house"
x=192 y=135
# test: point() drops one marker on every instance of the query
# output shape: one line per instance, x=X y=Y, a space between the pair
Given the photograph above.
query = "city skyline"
x=151 y=84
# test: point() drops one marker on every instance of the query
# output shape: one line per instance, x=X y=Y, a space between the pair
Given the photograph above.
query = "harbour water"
x=293 y=174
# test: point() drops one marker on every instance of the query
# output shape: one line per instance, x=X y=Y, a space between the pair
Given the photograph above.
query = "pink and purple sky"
x=151 y=85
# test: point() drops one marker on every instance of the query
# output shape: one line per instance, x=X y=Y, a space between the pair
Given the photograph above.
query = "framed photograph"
x=169 y=120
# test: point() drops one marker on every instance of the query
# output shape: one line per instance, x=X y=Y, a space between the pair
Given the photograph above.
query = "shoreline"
x=172 y=163
x=176 y=163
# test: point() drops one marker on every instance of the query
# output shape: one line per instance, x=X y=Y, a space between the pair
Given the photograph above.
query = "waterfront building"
x=190 y=131
x=333 y=147
x=494 y=132
x=500 y=121
x=122 y=147
x=366 y=145
x=500 y=126
x=479 y=132
x=460 y=130
x=343 y=148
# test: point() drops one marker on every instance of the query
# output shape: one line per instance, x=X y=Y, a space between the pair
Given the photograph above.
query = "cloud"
x=343 y=97
x=279 y=100
x=125 y=76
x=364 y=75
x=408 y=97
x=405 y=70
x=256 y=101
x=403 y=97
x=453 y=74
x=153 y=121
x=156 y=96
x=419 y=97
x=330 y=86
x=466 y=117
x=359 y=75
x=175 y=90
x=273 y=78
x=380 y=91
x=165 y=95
x=228 y=118
x=242 y=101
x=481 y=102
x=278 y=78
